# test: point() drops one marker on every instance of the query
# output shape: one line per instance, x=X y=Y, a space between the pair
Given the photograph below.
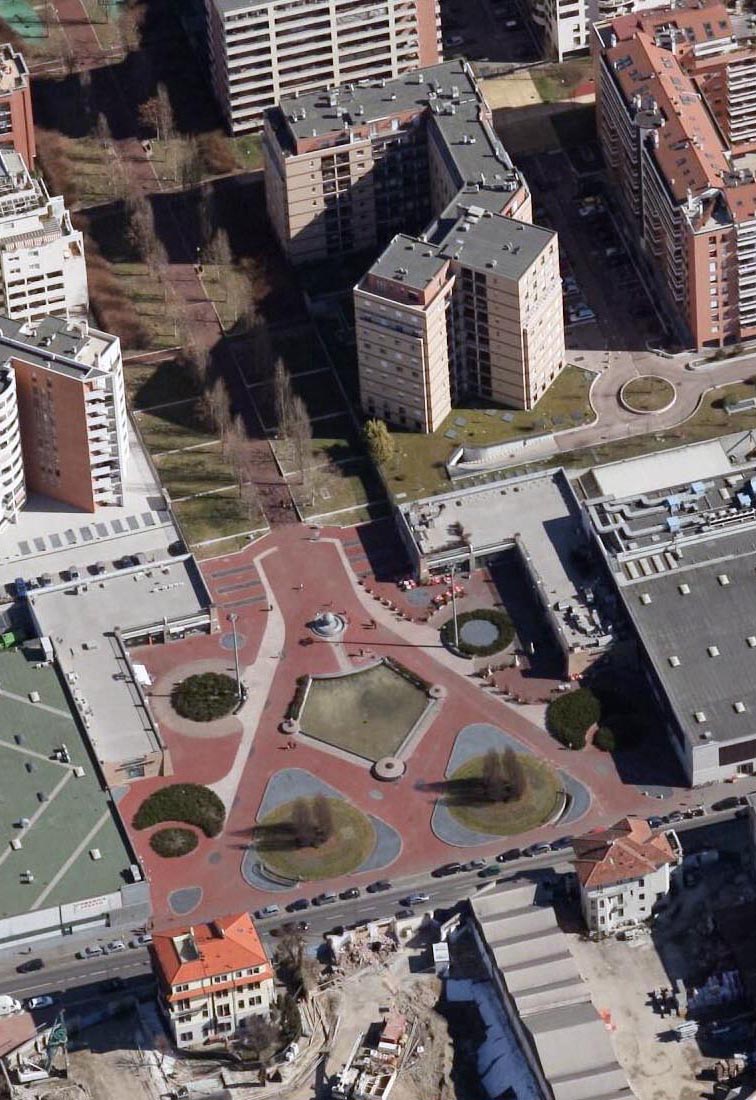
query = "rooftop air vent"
x=739 y=707
x=712 y=650
x=645 y=598
x=723 y=579
x=751 y=641
x=700 y=717
x=674 y=661
x=683 y=589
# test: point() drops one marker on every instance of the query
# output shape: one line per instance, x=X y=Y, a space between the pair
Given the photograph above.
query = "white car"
x=580 y=314
x=38 y=1002
x=90 y=952
x=116 y=945
x=141 y=941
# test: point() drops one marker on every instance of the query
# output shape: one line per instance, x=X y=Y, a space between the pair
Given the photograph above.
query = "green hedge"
x=570 y=716
x=205 y=697
x=501 y=621
x=188 y=802
x=173 y=842
x=605 y=739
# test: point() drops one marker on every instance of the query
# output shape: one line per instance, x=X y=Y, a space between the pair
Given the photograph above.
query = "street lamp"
x=232 y=617
x=454 y=606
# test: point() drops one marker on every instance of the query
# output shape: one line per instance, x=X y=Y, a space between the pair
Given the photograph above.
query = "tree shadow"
x=281 y=837
x=469 y=791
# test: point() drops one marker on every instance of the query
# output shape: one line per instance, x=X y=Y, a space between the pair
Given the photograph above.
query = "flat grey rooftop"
x=80 y=624
x=696 y=630
x=416 y=262
x=75 y=816
x=538 y=509
x=55 y=343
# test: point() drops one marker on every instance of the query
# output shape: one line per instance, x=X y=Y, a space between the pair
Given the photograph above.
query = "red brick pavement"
x=215 y=865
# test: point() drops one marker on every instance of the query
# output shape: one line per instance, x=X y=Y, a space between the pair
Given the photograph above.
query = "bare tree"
x=141 y=228
x=218 y=406
x=191 y=163
x=301 y=437
x=283 y=397
x=322 y=819
x=234 y=441
x=218 y=251
x=102 y=131
x=206 y=217
x=156 y=114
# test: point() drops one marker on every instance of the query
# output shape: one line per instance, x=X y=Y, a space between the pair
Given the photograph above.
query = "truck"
x=9 y=1005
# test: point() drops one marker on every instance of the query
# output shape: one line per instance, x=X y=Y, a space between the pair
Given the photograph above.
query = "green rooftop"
x=68 y=815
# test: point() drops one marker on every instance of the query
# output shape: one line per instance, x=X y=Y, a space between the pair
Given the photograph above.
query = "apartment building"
x=676 y=113
x=16 y=119
x=263 y=50
x=466 y=297
x=565 y=25
x=623 y=871
x=63 y=415
x=213 y=979
x=42 y=268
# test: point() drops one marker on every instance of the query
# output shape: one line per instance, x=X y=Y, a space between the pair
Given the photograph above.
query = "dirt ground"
x=516 y=90
x=620 y=976
x=112 y=1066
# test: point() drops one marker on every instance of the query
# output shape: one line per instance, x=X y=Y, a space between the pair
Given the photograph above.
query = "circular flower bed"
x=536 y=804
x=174 y=841
x=351 y=840
x=481 y=633
x=648 y=393
x=205 y=697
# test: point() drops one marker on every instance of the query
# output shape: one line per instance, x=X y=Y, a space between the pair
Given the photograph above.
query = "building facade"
x=62 y=399
x=16 y=119
x=213 y=979
x=623 y=872
x=677 y=125
x=263 y=50
x=466 y=298
x=42 y=267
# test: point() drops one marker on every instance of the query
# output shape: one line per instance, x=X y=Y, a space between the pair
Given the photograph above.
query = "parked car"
x=414 y=899
x=268 y=911
x=537 y=850
x=352 y=892
x=379 y=886
x=113 y=984
x=454 y=40
x=116 y=945
x=489 y=872
x=21 y=587
x=655 y=822
x=29 y=966
x=580 y=313
x=141 y=941
x=90 y=952
x=38 y=1002
x=563 y=842
x=447 y=869
x=300 y=903
x=404 y=914
x=474 y=864
x=675 y=816
x=729 y=803
x=509 y=855
x=326 y=898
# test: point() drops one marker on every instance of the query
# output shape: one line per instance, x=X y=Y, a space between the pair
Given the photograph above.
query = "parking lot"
x=606 y=299
x=487 y=30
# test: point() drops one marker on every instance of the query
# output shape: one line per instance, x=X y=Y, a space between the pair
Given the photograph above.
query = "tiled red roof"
x=627 y=850
x=225 y=944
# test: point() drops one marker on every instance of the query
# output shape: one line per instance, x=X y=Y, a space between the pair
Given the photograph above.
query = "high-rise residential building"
x=676 y=113
x=42 y=268
x=466 y=298
x=62 y=414
x=263 y=50
x=213 y=979
x=16 y=119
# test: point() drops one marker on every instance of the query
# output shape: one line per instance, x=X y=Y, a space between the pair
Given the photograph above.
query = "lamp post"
x=232 y=617
x=454 y=606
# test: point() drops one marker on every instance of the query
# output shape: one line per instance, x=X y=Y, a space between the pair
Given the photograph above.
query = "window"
x=186 y=1036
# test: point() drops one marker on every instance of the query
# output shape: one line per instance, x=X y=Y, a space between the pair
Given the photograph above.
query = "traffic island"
x=647 y=393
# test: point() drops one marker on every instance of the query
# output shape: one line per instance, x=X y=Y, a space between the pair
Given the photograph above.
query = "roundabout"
x=647 y=393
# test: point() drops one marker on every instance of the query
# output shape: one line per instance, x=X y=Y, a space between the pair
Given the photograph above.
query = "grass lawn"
x=248 y=151
x=537 y=804
x=215 y=516
x=648 y=394
x=368 y=713
x=349 y=485
x=149 y=384
x=352 y=842
x=333 y=438
x=195 y=471
x=419 y=460
x=148 y=295
x=173 y=427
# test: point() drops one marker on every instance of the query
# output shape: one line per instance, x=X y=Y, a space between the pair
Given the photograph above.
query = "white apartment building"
x=42 y=268
x=213 y=978
x=566 y=24
x=63 y=420
x=263 y=50
x=623 y=871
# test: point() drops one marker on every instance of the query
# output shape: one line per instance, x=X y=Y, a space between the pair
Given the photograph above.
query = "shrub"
x=205 y=697
x=188 y=802
x=605 y=740
x=501 y=621
x=217 y=154
x=173 y=842
x=570 y=716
